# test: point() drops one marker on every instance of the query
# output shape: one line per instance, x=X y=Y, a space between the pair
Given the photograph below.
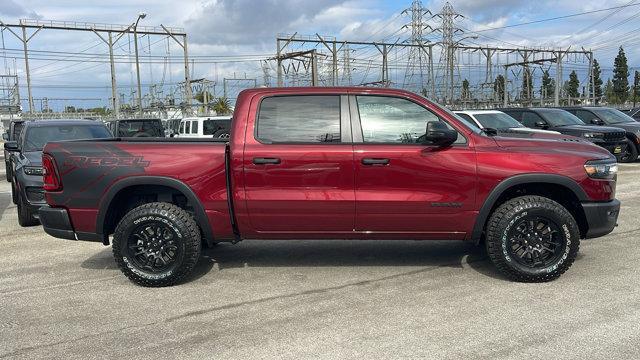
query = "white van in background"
x=205 y=127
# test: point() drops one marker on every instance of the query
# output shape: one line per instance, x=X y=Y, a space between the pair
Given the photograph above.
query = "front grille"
x=617 y=136
x=35 y=195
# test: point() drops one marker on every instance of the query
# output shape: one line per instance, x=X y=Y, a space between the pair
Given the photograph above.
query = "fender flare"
x=201 y=215
x=504 y=185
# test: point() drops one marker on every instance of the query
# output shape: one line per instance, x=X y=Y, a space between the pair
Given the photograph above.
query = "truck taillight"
x=50 y=174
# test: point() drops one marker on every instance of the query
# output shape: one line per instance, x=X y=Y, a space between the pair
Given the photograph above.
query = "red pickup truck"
x=332 y=163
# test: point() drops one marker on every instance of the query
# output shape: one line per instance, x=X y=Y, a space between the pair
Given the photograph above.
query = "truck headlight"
x=601 y=169
x=593 y=135
x=33 y=170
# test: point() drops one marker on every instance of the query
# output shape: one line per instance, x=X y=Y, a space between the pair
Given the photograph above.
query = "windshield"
x=37 y=137
x=613 y=116
x=497 y=121
x=557 y=117
x=137 y=128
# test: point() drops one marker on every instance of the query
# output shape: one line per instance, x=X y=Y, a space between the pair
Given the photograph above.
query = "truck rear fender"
x=106 y=203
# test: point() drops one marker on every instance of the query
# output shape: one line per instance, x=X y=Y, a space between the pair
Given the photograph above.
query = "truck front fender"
x=518 y=180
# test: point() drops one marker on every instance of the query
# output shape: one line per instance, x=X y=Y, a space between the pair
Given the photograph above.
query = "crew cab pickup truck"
x=332 y=163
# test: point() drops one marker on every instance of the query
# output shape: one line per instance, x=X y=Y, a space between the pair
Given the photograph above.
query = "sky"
x=227 y=38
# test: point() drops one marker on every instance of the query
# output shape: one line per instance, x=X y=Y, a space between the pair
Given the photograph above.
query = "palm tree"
x=222 y=106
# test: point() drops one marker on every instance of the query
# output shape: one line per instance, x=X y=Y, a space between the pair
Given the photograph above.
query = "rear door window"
x=299 y=119
x=194 y=127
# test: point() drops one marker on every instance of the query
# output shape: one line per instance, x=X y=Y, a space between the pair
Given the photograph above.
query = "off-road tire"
x=7 y=171
x=630 y=154
x=508 y=214
x=25 y=215
x=14 y=193
x=188 y=240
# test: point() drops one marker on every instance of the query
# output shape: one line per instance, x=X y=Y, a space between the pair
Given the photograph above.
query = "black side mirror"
x=5 y=136
x=596 y=121
x=541 y=124
x=11 y=146
x=439 y=134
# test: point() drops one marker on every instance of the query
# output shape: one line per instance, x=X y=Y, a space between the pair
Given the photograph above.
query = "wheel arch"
x=107 y=204
x=533 y=182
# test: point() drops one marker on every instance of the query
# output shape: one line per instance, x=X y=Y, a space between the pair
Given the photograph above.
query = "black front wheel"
x=157 y=244
x=26 y=217
x=630 y=153
x=532 y=239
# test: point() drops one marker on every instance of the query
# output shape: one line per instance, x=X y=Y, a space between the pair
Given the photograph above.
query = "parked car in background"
x=611 y=138
x=503 y=123
x=217 y=127
x=136 y=127
x=171 y=127
x=11 y=134
x=634 y=113
x=612 y=117
x=26 y=184
x=337 y=163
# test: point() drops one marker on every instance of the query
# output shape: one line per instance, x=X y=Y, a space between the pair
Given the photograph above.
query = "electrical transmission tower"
x=449 y=44
x=419 y=60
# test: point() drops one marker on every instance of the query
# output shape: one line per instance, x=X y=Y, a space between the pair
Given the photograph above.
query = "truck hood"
x=551 y=143
x=580 y=129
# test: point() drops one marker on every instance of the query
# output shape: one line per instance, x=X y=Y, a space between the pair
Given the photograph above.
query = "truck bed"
x=94 y=171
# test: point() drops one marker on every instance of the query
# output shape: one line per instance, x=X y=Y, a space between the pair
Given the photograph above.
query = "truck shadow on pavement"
x=334 y=253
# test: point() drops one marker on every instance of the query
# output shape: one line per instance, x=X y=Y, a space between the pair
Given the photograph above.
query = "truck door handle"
x=368 y=161
x=264 y=161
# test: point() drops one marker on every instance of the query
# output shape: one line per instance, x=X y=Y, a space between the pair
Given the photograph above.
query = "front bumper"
x=602 y=217
x=56 y=223
x=617 y=148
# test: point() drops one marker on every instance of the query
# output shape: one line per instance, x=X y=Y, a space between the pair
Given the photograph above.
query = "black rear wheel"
x=532 y=239
x=630 y=153
x=157 y=244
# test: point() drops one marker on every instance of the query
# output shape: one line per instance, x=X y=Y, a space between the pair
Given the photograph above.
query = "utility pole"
x=110 y=43
x=25 y=40
x=135 y=44
x=187 y=78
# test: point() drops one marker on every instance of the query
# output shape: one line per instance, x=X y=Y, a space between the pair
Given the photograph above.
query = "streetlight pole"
x=135 y=43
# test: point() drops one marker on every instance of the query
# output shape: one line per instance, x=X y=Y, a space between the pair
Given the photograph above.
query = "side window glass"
x=194 y=127
x=585 y=116
x=181 y=128
x=529 y=119
x=302 y=119
x=394 y=120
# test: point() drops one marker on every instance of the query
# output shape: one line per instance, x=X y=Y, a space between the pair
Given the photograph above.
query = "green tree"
x=621 y=77
x=635 y=94
x=498 y=87
x=597 y=81
x=466 y=94
x=202 y=96
x=573 y=85
x=222 y=106
x=609 y=94
x=548 y=87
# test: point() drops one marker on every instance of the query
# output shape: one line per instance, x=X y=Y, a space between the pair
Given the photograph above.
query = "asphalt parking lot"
x=320 y=299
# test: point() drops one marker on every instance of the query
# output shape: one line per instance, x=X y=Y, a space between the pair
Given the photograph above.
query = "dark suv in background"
x=136 y=127
x=11 y=134
x=609 y=116
x=611 y=138
x=26 y=184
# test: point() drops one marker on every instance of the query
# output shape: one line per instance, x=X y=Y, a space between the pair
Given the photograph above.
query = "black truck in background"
x=611 y=138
